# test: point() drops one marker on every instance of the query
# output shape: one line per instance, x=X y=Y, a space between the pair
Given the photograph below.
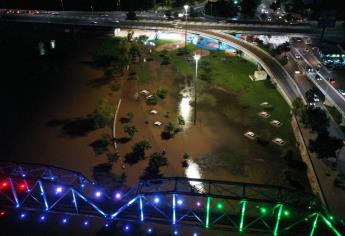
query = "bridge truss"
x=174 y=200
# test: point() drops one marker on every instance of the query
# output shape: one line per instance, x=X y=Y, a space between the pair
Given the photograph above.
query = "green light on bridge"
x=243 y=211
x=207 y=221
x=263 y=210
x=220 y=206
x=279 y=215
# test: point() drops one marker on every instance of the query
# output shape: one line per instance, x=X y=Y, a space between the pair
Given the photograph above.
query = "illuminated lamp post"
x=186 y=18
x=196 y=58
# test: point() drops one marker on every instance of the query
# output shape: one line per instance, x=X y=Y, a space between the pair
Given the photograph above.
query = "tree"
x=181 y=120
x=324 y=145
x=104 y=114
x=275 y=5
x=162 y=93
x=113 y=157
x=138 y=152
x=152 y=171
x=248 y=7
x=131 y=15
x=222 y=8
x=130 y=115
x=130 y=130
x=298 y=106
x=168 y=14
x=185 y=161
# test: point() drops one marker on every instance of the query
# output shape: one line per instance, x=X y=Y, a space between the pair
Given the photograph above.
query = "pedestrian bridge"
x=171 y=201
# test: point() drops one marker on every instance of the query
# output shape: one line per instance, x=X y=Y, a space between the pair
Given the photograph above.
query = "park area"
x=157 y=112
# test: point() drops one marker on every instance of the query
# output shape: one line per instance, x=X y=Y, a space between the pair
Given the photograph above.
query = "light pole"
x=63 y=8
x=186 y=15
x=196 y=58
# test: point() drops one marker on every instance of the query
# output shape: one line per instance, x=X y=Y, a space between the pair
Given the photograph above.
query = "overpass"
x=118 y=19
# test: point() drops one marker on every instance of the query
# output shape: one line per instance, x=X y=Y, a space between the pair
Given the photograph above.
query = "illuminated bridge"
x=171 y=202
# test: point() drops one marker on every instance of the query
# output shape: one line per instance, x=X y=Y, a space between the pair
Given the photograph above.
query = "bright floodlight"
x=42 y=218
x=198 y=204
x=156 y=200
x=64 y=221
x=175 y=232
x=86 y=223
x=180 y=202
x=127 y=228
x=22 y=215
x=149 y=230
x=186 y=7
x=196 y=57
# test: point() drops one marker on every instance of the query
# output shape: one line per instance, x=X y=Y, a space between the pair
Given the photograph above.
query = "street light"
x=186 y=14
x=196 y=58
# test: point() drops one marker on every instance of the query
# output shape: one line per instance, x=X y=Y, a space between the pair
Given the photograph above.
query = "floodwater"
x=48 y=89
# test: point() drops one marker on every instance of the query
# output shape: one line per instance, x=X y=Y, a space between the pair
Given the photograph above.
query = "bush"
x=152 y=100
x=162 y=93
x=262 y=142
x=103 y=114
x=114 y=86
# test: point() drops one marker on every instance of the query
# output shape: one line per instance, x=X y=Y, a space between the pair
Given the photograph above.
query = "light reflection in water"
x=193 y=171
x=185 y=109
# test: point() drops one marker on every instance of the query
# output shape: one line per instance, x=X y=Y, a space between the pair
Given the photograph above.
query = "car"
x=332 y=81
x=250 y=135
x=157 y=123
x=342 y=92
x=93 y=22
x=316 y=98
x=317 y=77
x=297 y=56
x=153 y=112
x=297 y=72
x=149 y=97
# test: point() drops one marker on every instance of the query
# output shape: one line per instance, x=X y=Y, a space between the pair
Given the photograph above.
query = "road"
x=117 y=19
x=308 y=59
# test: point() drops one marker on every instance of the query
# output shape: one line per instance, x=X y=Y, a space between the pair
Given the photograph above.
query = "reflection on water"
x=185 y=109
x=193 y=171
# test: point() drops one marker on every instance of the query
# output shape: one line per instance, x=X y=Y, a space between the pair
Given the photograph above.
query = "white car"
x=297 y=56
x=316 y=98
x=153 y=112
x=297 y=72
x=150 y=96
x=157 y=123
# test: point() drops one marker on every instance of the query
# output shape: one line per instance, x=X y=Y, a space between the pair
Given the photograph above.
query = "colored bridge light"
x=64 y=220
x=42 y=218
x=22 y=186
x=179 y=202
x=2 y=213
x=263 y=210
x=118 y=196
x=219 y=206
x=286 y=213
x=22 y=216
x=156 y=200
x=58 y=190
x=127 y=228
x=198 y=204
x=4 y=184
x=86 y=223
x=98 y=194
x=175 y=232
x=149 y=230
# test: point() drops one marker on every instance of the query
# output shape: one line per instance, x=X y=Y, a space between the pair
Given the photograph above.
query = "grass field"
x=232 y=73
